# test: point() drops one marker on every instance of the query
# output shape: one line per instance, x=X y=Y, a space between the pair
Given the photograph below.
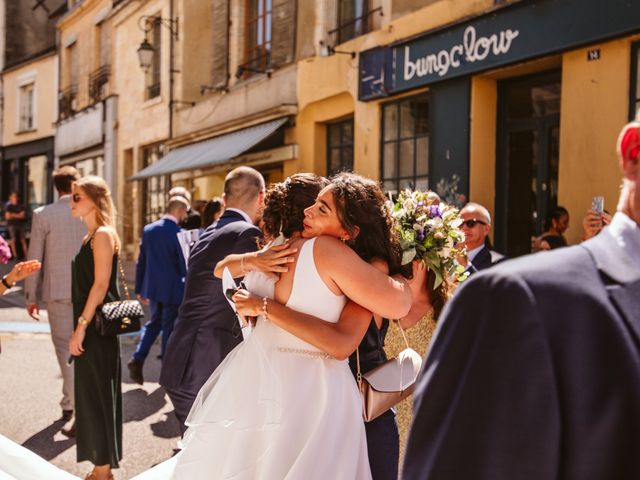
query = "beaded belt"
x=308 y=353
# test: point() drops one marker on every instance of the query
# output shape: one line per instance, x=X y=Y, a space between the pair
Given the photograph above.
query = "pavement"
x=31 y=390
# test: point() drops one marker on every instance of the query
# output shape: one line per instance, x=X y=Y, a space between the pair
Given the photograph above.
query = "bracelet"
x=264 y=308
x=5 y=282
x=83 y=321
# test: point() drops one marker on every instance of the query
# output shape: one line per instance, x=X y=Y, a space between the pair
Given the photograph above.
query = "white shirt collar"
x=241 y=212
x=471 y=254
x=626 y=232
x=171 y=217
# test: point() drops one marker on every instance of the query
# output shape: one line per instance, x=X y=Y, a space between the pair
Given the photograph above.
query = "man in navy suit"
x=207 y=329
x=160 y=273
x=476 y=226
x=534 y=372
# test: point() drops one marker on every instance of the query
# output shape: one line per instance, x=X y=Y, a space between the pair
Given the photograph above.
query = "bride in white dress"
x=278 y=407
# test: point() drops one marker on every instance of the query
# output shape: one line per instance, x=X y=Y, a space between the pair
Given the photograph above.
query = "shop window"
x=258 y=30
x=27 y=107
x=634 y=94
x=340 y=147
x=152 y=78
x=354 y=19
x=405 y=144
x=154 y=189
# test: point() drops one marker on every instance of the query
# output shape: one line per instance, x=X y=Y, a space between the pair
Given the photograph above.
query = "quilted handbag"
x=389 y=383
x=121 y=316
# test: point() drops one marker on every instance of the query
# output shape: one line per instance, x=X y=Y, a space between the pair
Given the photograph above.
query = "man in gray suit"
x=55 y=239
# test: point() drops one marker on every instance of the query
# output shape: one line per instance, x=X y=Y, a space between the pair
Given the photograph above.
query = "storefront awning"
x=210 y=152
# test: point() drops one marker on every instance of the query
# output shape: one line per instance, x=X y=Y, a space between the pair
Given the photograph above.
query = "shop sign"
x=522 y=31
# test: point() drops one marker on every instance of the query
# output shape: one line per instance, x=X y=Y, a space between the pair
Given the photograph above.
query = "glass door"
x=527 y=160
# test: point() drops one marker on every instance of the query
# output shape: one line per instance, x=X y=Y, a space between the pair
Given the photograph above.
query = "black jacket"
x=206 y=329
x=534 y=373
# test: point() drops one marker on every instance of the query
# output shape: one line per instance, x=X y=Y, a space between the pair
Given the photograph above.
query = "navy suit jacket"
x=486 y=258
x=206 y=329
x=161 y=269
x=534 y=372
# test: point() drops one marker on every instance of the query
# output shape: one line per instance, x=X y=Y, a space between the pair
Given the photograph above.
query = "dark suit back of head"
x=242 y=186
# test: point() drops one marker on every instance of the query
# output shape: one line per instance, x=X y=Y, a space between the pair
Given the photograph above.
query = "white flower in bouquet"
x=429 y=231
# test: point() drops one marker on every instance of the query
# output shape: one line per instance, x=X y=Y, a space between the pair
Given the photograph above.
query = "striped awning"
x=208 y=153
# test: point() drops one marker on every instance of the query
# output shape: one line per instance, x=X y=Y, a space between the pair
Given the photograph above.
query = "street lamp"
x=146 y=50
x=145 y=55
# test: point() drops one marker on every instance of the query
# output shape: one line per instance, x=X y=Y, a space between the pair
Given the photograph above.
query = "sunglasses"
x=472 y=222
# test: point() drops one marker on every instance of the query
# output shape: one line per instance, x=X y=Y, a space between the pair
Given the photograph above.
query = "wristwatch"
x=83 y=321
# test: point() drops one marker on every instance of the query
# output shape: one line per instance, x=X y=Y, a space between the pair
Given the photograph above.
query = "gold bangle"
x=83 y=321
x=264 y=308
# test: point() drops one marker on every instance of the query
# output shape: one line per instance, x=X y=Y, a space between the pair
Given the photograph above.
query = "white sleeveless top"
x=310 y=295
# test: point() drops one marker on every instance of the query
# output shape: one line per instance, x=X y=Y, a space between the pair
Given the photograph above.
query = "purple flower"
x=434 y=211
x=421 y=235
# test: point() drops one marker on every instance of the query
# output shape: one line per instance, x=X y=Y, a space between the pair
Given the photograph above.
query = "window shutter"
x=283 y=42
x=220 y=27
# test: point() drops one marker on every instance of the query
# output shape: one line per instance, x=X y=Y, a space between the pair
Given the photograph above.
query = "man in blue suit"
x=160 y=273
x=207 y=329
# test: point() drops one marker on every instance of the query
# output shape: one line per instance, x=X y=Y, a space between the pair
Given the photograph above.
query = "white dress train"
x=277 y=407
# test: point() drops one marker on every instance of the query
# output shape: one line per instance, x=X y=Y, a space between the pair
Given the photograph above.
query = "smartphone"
x=597 y=205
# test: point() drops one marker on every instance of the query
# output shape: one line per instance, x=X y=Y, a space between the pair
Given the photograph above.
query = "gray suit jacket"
x=55 y=239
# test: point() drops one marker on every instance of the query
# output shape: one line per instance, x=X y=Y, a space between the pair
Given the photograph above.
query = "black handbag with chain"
x=121 y=316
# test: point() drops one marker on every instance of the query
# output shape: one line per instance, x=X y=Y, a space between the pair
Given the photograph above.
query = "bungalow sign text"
x=473 y=48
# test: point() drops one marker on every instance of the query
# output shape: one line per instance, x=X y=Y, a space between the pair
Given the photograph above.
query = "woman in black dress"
x=98 y=395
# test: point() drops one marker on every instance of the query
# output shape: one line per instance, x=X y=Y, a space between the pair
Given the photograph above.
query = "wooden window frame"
x=414 y=177
x=343 y=143
x=257 y=57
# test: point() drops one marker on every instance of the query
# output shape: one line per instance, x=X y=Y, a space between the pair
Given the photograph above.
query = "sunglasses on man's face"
x=472 y=223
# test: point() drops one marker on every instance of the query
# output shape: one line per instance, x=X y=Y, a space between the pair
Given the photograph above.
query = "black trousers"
x=383 y=444
x=182 y=402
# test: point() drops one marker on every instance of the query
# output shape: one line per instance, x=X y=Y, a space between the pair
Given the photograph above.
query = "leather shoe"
x=66 y=415
x=135 y=371
x=69 y=429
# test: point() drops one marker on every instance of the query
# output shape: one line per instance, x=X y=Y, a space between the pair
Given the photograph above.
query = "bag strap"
x=358 y=371
x=122 y=277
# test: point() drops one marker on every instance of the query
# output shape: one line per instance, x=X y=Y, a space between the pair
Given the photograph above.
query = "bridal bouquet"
x=429 y=230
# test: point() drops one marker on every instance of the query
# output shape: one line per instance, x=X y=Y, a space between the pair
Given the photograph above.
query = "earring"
x=343 y=239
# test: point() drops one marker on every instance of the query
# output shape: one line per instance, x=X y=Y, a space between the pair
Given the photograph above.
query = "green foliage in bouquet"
x=429 y=231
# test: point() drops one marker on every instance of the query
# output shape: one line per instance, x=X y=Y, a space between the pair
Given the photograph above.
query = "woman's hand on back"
x=271 y=260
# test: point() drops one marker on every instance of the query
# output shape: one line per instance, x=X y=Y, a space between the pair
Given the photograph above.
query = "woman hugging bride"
x=285 y=405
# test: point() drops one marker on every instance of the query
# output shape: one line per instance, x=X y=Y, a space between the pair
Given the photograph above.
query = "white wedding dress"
x=277 y=407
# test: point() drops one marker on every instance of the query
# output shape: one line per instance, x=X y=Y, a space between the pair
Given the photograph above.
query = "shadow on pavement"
x=138 y=405
x=168 y=428
x=44 y=444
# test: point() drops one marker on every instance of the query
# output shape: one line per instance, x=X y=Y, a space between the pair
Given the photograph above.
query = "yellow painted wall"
x=594 y=109
x=311 y=131
x=328 y=87
x=43 y=74
x=482 y=155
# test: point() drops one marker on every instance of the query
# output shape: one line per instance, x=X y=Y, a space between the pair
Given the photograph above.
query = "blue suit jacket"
x=160 y=270
x=206 y=329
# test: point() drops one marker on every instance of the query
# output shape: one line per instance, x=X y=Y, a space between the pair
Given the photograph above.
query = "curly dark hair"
x=360 y=203
x=285 y=202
